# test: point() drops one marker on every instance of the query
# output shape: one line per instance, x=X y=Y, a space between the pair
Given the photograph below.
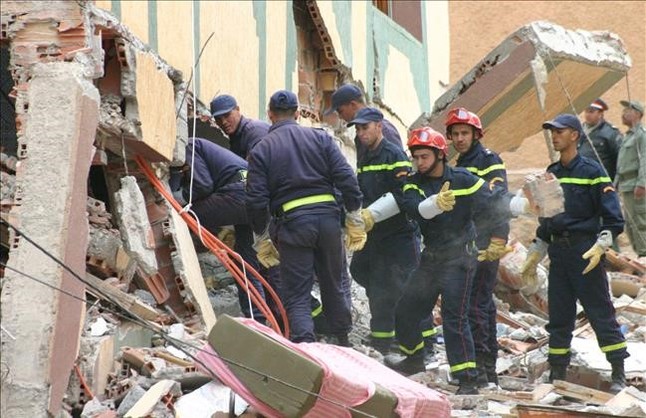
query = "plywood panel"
x=134 y=14
x=175 y=34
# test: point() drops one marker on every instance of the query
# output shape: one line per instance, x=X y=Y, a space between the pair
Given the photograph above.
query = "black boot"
x=481 y=380
x=429 y=357
x=410 y=365
x=468 y=386
x=558 y=372
x=490 y=369
x=618 y=377
x=382 y=345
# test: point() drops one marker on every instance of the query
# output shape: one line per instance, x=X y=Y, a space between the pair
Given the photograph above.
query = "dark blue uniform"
x=293 y=174
x=390 y=134
x=606 y=140
x=218 y=200
x=391 y=251
x=487 y=165
x=447 y=264
x=591 y=206
x=247 y=135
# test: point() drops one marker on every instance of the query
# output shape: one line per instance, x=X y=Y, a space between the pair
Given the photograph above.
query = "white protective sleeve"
x=428 y=208
x=383 y=208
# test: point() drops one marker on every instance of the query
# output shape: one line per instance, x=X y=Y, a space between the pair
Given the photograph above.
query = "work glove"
x=266 y=252
x=535 y=253
x=355 y=231
x=497 y=248
x=604 y=241
x=228 y=236
x=519 y=205
x=443 y=201
x=381 y=209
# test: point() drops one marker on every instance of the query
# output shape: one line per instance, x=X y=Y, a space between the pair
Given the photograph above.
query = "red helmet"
x=461 y=115
x=427 y=137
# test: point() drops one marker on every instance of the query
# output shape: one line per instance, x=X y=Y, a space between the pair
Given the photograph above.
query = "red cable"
x=226 y=256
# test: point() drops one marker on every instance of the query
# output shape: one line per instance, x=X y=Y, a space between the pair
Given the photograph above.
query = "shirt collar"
x=282 y=123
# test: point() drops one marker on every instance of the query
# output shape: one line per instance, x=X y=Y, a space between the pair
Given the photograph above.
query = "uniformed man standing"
x=600 y=136
x=293 y=174
x=576 y=241
x=631 y=174
x=445 y=216
x=464 y=129
x=391 y=252
x=243 y=132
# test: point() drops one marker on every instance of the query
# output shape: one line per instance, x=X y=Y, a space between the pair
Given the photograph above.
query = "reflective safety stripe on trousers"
x=308 y=200
x=413 y=351
x=558 y=351
x=382 y=334
x=463 y=366
x=613 y=347
x=384 y=167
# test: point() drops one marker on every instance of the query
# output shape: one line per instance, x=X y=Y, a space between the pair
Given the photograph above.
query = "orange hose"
x=226 y=256
x=84 y=385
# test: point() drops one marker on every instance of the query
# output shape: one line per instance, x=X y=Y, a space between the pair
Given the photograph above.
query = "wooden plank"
x=146 y=403
x=582 y=393
x=541 y=391
x=121 y=299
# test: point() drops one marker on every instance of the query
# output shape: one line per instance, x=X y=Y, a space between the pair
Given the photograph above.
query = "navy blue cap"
x=366 y=115
x=345 y=94
x=222 y=104
x=564 y=120
x=283 y=100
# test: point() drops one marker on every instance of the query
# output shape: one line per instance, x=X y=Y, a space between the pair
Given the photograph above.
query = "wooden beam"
x=122 y=299
x=582 y=393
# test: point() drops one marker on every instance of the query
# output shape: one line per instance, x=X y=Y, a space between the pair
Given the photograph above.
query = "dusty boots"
x=618 y=377
x=382 y=345
x=468 y=386
x=409 y=365
x=490 y=369
x=558 y=372
x=481 y=380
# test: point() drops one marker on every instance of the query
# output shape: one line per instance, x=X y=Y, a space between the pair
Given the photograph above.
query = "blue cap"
x=564 y=120
x=345 y=94
x=283 y=100
x=366 y=115
x=222 y=104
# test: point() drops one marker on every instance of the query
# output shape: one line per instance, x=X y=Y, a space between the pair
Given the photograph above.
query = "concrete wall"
x=253 y=50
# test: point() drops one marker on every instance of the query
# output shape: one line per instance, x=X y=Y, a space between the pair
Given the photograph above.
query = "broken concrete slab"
x=518 y=85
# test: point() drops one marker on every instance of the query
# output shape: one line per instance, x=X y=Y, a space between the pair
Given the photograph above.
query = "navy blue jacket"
x=591 y=202
x=247 y=135
x=293 y=162
x=390 y=134
x=456 y=227
x=214 y=167
x=382 y=170
x=487 y=165
x=606 y=140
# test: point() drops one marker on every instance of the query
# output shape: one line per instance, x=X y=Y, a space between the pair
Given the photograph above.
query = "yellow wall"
x=175 y=43
x=134 y=14
x=439 y=51
x=276 y=51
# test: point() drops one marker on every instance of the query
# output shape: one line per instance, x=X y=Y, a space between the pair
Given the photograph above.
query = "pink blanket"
x=349 y=380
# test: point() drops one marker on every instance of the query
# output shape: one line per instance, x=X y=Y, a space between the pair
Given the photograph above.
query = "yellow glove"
x=368 y=219
x=228 y=236
x=445 y=198
x=497 y=248
x=535 y=253
x=267 y=253
x=355 y=232
x=597 y=250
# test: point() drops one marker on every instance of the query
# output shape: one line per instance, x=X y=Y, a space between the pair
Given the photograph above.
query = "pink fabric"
x=349 y=380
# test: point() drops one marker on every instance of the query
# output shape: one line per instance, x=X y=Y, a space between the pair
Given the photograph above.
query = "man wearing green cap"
x=631 y=174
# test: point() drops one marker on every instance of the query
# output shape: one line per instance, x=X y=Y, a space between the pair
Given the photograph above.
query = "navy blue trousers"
x=482 y=311
x=310 y=245
x=566 y=284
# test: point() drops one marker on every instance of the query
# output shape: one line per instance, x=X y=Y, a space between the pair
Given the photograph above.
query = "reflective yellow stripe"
x=470 y=190
x=384 y=167
x=317 y=198
x=487 y=170
x=462 y=366
x=316 y=312
x=414 y=350
x=382 y=334
x=558 y=351
x=613 y=347
x=429 y=332
x=585 y=182
x=414 y=187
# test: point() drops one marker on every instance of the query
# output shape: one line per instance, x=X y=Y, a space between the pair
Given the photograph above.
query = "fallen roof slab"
x=527 y=79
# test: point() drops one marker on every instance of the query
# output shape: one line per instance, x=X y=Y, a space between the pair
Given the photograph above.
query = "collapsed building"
x=91 y=248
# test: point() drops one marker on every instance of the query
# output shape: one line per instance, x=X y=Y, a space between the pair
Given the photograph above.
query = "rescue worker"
x=347 y=100
x=243 y=133
x=576 y=241
x=445 y=216
x=631 y=174
x=600 y=136
x=217 y=198
x=464 y=129
x=293 y=174
x=391 y=251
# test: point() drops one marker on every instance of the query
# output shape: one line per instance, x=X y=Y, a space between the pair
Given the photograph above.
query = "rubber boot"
x=430 y=353
x=481 y=380
x=410 y=365
x=490 y=369
x=342 y=340
x=468 y=386
x=558 y=372
x=382 y=345
x=618 y=377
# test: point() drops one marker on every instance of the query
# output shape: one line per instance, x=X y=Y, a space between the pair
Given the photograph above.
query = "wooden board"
x=582 y=393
